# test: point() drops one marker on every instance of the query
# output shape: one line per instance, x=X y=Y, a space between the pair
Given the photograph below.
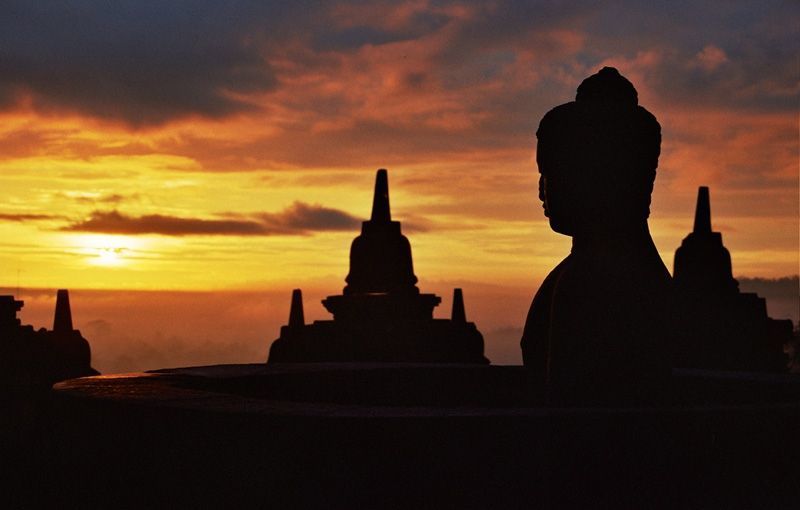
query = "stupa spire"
x=458 y=315
x=702 y=213
x=296 y=317
x=63 y=317
x=380 y=258
x=380 y=201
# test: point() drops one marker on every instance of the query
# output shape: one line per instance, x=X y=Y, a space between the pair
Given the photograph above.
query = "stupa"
x=381 y=316
x=719 y=327
x=29 y=357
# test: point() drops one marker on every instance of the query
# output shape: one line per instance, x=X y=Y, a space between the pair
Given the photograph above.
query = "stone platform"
x=420 y=436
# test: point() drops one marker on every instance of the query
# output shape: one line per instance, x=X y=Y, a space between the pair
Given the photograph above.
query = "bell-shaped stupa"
x=381 y=316
x=719 y=327
x=380 y=258
x=702 y=263
x=381 y=283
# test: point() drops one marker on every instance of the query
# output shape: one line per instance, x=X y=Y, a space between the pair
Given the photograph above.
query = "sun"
x=110 y=256
x=107 y=250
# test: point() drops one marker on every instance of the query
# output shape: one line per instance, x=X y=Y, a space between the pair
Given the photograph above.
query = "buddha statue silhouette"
x=597 y=329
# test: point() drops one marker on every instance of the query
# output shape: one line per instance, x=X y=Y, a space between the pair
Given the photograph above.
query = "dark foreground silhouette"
x=381 y=315
x=385 y=435
x=716 y=326
x=598 y=328
x=30 y=362
x=33 y=360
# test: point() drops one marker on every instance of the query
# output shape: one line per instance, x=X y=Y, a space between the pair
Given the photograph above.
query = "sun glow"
x=108 y=250
x=110 y=256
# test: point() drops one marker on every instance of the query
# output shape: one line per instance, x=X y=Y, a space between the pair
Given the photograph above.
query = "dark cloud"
x=298 y=219
x=504 y=24
x=302 y=217
x=761 y=77
x=141 y=62
x=114 y=222
x=759 y=44
x=350 y=38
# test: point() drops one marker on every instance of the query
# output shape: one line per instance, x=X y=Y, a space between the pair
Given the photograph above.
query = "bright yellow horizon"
x=491 y=232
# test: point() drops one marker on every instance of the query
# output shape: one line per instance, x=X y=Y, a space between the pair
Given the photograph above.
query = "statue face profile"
x=558 y=201
x=597 y=157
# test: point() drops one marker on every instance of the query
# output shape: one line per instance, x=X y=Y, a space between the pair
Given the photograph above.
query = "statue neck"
x=621 y=239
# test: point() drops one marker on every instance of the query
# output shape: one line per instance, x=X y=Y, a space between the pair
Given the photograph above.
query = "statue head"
x=597 y=157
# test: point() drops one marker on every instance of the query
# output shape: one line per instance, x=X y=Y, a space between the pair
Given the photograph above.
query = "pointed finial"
x=62 y=321
x=458 y=315
x=702 y=214
x=296 y=317
x=380 y=201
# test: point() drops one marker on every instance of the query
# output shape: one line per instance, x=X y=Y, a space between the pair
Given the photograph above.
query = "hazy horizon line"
x=187 y=290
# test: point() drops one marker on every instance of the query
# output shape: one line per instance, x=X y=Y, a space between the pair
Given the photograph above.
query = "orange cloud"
x=710 y=58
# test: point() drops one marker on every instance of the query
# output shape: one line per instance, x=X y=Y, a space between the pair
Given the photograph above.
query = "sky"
x=181 y=166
